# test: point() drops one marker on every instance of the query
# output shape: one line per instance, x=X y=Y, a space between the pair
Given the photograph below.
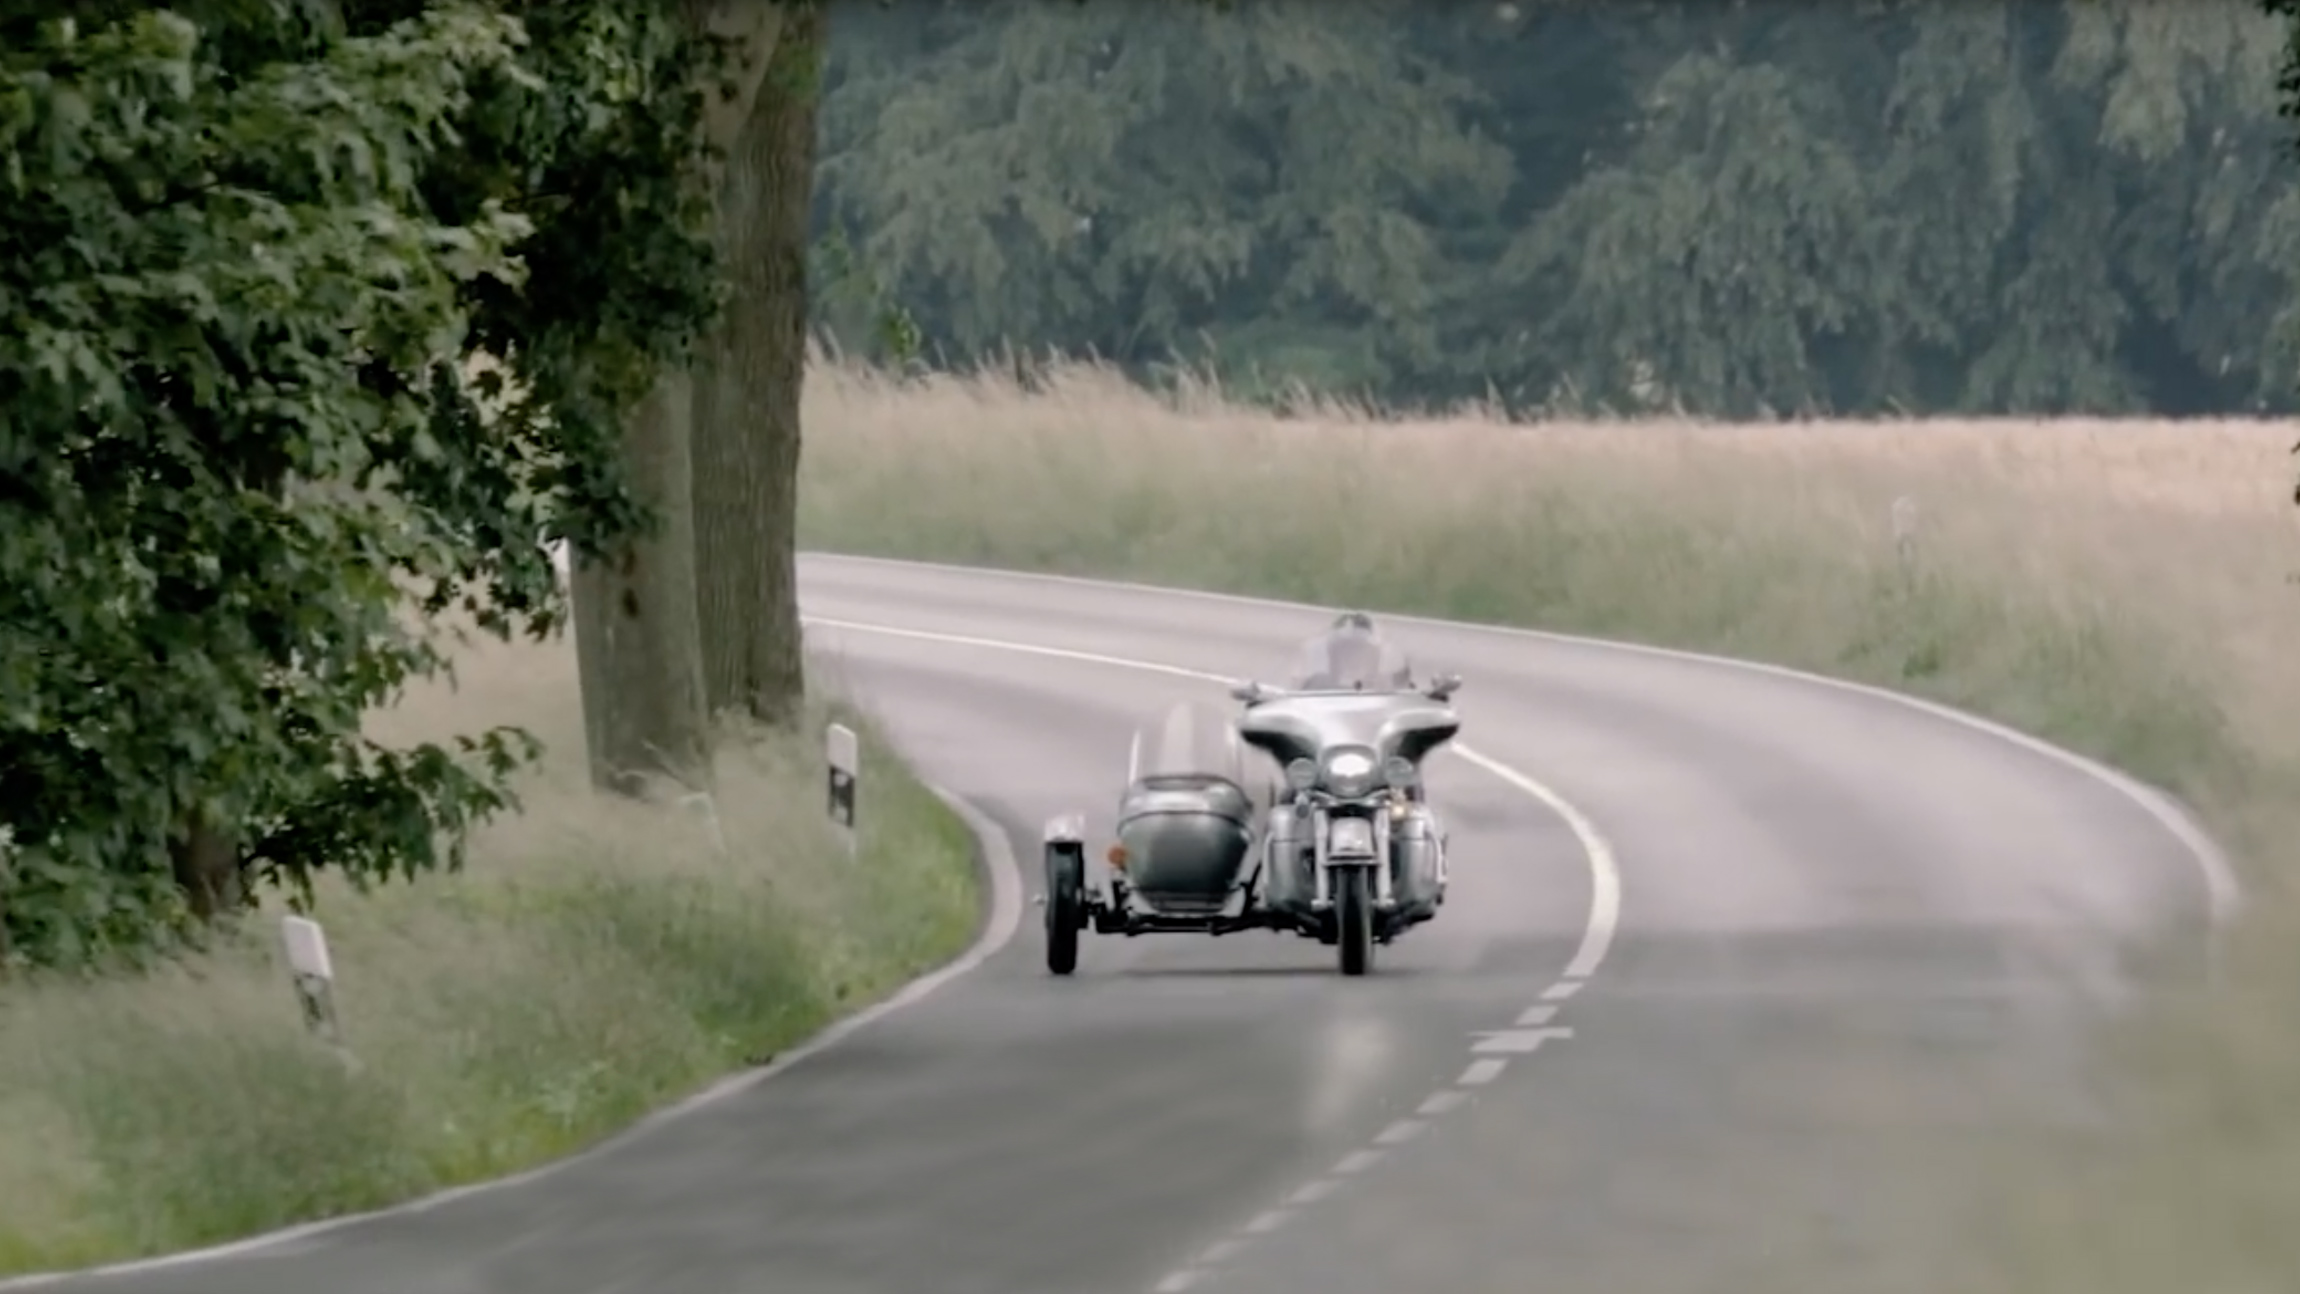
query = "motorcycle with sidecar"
x=1342 y=846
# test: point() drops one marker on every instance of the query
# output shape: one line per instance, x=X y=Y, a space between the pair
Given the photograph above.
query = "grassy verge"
x=2122 y=589
x=596 y=960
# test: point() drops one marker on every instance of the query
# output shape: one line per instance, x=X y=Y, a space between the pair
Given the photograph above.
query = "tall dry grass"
x=2123 y=588
x=597 y=958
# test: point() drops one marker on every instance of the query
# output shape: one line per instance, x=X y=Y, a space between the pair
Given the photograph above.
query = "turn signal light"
x=1117 y=857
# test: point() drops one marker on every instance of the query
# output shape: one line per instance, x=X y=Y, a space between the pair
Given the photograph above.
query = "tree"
x=2042 y=207
x=2287 y=12
x=230 y=462
x=599 y=141
x=270 y=476
x=2186 y=112
x=746 y=427
x=636 y=604
x=1130 y=180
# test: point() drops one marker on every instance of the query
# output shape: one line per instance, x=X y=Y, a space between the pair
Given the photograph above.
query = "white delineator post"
x=1905 y=529
x=842 y=756
x=313 y=975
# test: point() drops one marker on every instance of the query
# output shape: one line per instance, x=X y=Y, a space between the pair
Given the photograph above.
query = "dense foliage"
x=252 y=247
x=2070 y=205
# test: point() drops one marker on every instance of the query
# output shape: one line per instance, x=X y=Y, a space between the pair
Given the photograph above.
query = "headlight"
x=1350 y=772
x=1399 y=772
x=1350 y=838
x=1301 y=775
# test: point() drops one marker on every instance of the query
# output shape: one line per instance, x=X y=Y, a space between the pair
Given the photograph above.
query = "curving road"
x=1730 y=959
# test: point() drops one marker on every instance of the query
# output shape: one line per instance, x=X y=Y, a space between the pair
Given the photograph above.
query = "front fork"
x=1321 y=877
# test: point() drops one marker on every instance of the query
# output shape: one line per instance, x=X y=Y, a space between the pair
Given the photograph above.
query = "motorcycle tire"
x=1065 y=908
x=1354 y=919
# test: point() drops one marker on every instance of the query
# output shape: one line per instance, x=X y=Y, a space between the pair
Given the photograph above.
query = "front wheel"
x=1354 y=918
x=1065 y=907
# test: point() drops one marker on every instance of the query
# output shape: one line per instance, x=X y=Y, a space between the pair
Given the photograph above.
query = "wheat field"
x=2130 y=589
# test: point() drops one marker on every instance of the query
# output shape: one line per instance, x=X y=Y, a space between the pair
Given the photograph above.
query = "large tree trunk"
x=206 y=862
x=637 y=642
x=587 y=597
x=635 y=632
x=7 y=888
x=747 y=399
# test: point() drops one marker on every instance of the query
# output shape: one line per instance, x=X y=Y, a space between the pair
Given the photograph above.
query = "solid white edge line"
x=2224 y=890
x=1604 y=869
x=1004 y=876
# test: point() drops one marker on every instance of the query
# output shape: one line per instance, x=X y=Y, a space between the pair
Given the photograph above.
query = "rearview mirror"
x=1444 y=686
x=1248 y=691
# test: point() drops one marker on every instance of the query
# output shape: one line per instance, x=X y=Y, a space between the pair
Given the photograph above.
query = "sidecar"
x=1185 y=856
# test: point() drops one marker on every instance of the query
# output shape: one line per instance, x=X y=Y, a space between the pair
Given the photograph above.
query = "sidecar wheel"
x=1065 y=908
x=1354 y=919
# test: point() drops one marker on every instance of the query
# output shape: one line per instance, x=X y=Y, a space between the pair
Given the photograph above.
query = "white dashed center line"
x=1441 y=1101
x=1482 y=1072
x=1266 y=1223
x=1221 y=1251
x=1399 y=1133
x=1531 y=1030
x=1313 y=1192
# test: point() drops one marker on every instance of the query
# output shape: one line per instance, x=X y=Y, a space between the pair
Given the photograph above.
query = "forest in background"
x=2045 y=207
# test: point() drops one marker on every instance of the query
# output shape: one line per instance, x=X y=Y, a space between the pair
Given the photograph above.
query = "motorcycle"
x=1346 y=848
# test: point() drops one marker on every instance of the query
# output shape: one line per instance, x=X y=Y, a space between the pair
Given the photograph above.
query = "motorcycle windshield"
x=1186 y=741
x=1303 y=726
x=1350 y=662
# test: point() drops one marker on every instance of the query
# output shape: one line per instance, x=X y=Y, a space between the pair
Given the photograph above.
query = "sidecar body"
x=1186 y=820
x=1186 y=855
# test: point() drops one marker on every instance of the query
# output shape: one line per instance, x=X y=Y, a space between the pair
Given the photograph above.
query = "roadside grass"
x=597 y=959
x=2122 y=589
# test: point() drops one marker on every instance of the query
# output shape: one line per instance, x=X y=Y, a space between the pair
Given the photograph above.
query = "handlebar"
x=1440 y=690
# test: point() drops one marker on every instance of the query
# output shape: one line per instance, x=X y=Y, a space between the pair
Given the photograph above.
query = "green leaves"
x=248 y=257
x=1122 y=178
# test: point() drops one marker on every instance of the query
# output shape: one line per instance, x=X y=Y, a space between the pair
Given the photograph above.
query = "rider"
x=1350 y=654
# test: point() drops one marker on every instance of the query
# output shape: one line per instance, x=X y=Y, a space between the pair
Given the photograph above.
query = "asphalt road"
x=1732 y=965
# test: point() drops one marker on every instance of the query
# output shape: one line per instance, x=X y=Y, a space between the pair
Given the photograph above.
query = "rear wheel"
x=1065 y=907
x=1354 y=919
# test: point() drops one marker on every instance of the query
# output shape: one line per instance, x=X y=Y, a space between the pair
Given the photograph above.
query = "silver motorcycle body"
x=1353 y=801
